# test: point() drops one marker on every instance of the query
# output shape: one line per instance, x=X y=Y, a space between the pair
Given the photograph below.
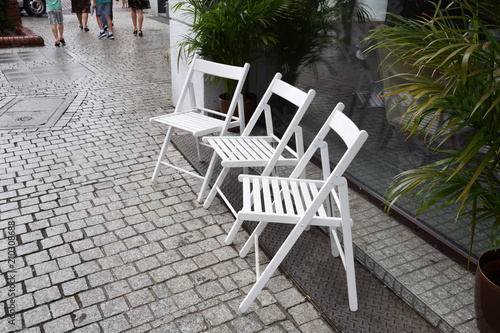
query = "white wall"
x=206 y=94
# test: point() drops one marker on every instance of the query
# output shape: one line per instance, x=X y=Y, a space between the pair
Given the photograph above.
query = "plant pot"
x=487 y=292
x=249 y=104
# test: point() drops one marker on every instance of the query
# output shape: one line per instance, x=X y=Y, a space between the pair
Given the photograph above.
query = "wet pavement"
x=98 y=248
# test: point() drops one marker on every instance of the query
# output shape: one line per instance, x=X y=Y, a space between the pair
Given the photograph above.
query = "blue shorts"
x=103 y=8
x=55 y=16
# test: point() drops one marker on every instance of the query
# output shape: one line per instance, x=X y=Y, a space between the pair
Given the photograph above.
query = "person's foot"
x=81 y=27
x=57 y=43
x=140 y=33
x=63 y=42
x=86 y=29
x=102 y=34
x=135 y=31
x=111 y=36
x=105 y=28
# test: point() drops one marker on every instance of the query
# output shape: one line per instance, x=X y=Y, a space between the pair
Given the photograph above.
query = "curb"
x=25 y=37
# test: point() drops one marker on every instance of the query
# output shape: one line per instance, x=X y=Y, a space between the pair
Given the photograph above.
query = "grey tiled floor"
x=100 y=249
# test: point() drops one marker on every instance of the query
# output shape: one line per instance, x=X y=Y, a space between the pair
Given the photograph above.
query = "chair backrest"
x=223 y=71
x=288 y=93
x=345 y=128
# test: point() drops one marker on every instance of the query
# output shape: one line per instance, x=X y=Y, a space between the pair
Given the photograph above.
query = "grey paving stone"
x=210 y=290
x=139 y=316
x=37 y=315
x=115 y=324
x=218 y=315
x=140 y=281
x=91 y=297
x=100 y=278
x=163 y=307
x=63 y=306
x=192 y=323
x=46 y=267
x=303 y=313
x=271 y=314
x=93 y=328
x=59 y=325
x=162 y=273
x=139 y=297
x=290 y=297
x=116 y=289
x=86 y=316
x=69 y=261
x=74 y=286
x=46 y=295
x=248 y=323
x=180 y=283
x=114 y=307
x=37 y=283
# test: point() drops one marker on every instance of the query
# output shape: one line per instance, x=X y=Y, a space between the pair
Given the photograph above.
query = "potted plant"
x=232 y=32
x=455 y=84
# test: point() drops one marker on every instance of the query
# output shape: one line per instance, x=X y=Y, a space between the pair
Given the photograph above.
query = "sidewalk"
x=99 y=249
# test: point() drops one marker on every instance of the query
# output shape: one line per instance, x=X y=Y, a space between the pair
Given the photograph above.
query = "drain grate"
x=35 y=112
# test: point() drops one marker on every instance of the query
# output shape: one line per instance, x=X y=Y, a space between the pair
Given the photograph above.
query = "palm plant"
x=304 y=35
x=229 y=31
x=455 y=86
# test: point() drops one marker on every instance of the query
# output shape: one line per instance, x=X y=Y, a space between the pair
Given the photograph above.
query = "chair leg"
x=213 y=191
x=163 y=151
x=272 y=266
x=335 y=249
x=198 y=150
x=232 y=233
x=248 y=245
x=208 y=175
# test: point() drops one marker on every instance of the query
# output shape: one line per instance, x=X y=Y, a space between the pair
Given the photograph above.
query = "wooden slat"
x=277 y=197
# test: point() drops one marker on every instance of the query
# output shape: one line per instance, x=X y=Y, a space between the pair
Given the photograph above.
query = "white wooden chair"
x=267 y=151
x=198 y=120
x=303 y=203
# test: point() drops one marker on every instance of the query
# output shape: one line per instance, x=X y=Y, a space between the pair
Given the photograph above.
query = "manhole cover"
x=28 y=112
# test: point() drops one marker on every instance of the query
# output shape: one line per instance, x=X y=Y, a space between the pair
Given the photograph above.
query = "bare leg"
x=61 y=30
x=133 y=15
x=54 y=31
x=85 y=17
x=140 y=18
x=99 y=22
x=110 y=23
x=79 y=16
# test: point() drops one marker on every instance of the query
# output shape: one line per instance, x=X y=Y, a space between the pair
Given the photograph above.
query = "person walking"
x=103 y=18
x=104 y=7
x=55 y=16
x=82 y=9
x=136 y=13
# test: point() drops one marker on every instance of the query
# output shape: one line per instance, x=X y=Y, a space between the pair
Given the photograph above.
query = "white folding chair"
x=266 y=151
x=198 y=120
x=305 y=202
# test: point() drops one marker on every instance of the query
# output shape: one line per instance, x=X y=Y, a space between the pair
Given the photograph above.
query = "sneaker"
x=63 y=42
x=57 y=43
x=111 y=36
x=105 y=28
x=102 y=34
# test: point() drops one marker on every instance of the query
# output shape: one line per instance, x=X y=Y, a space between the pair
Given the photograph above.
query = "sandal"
x=135 y=31
x=87 y=29
x=140 y=33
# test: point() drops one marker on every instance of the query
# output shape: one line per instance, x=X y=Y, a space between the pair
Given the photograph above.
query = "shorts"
x=103 y=8
x=55 y=16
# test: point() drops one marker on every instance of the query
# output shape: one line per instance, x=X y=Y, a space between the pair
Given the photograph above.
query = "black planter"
x=487 y=292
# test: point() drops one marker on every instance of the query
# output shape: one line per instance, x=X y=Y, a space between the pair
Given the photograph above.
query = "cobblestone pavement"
x=98 y=248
